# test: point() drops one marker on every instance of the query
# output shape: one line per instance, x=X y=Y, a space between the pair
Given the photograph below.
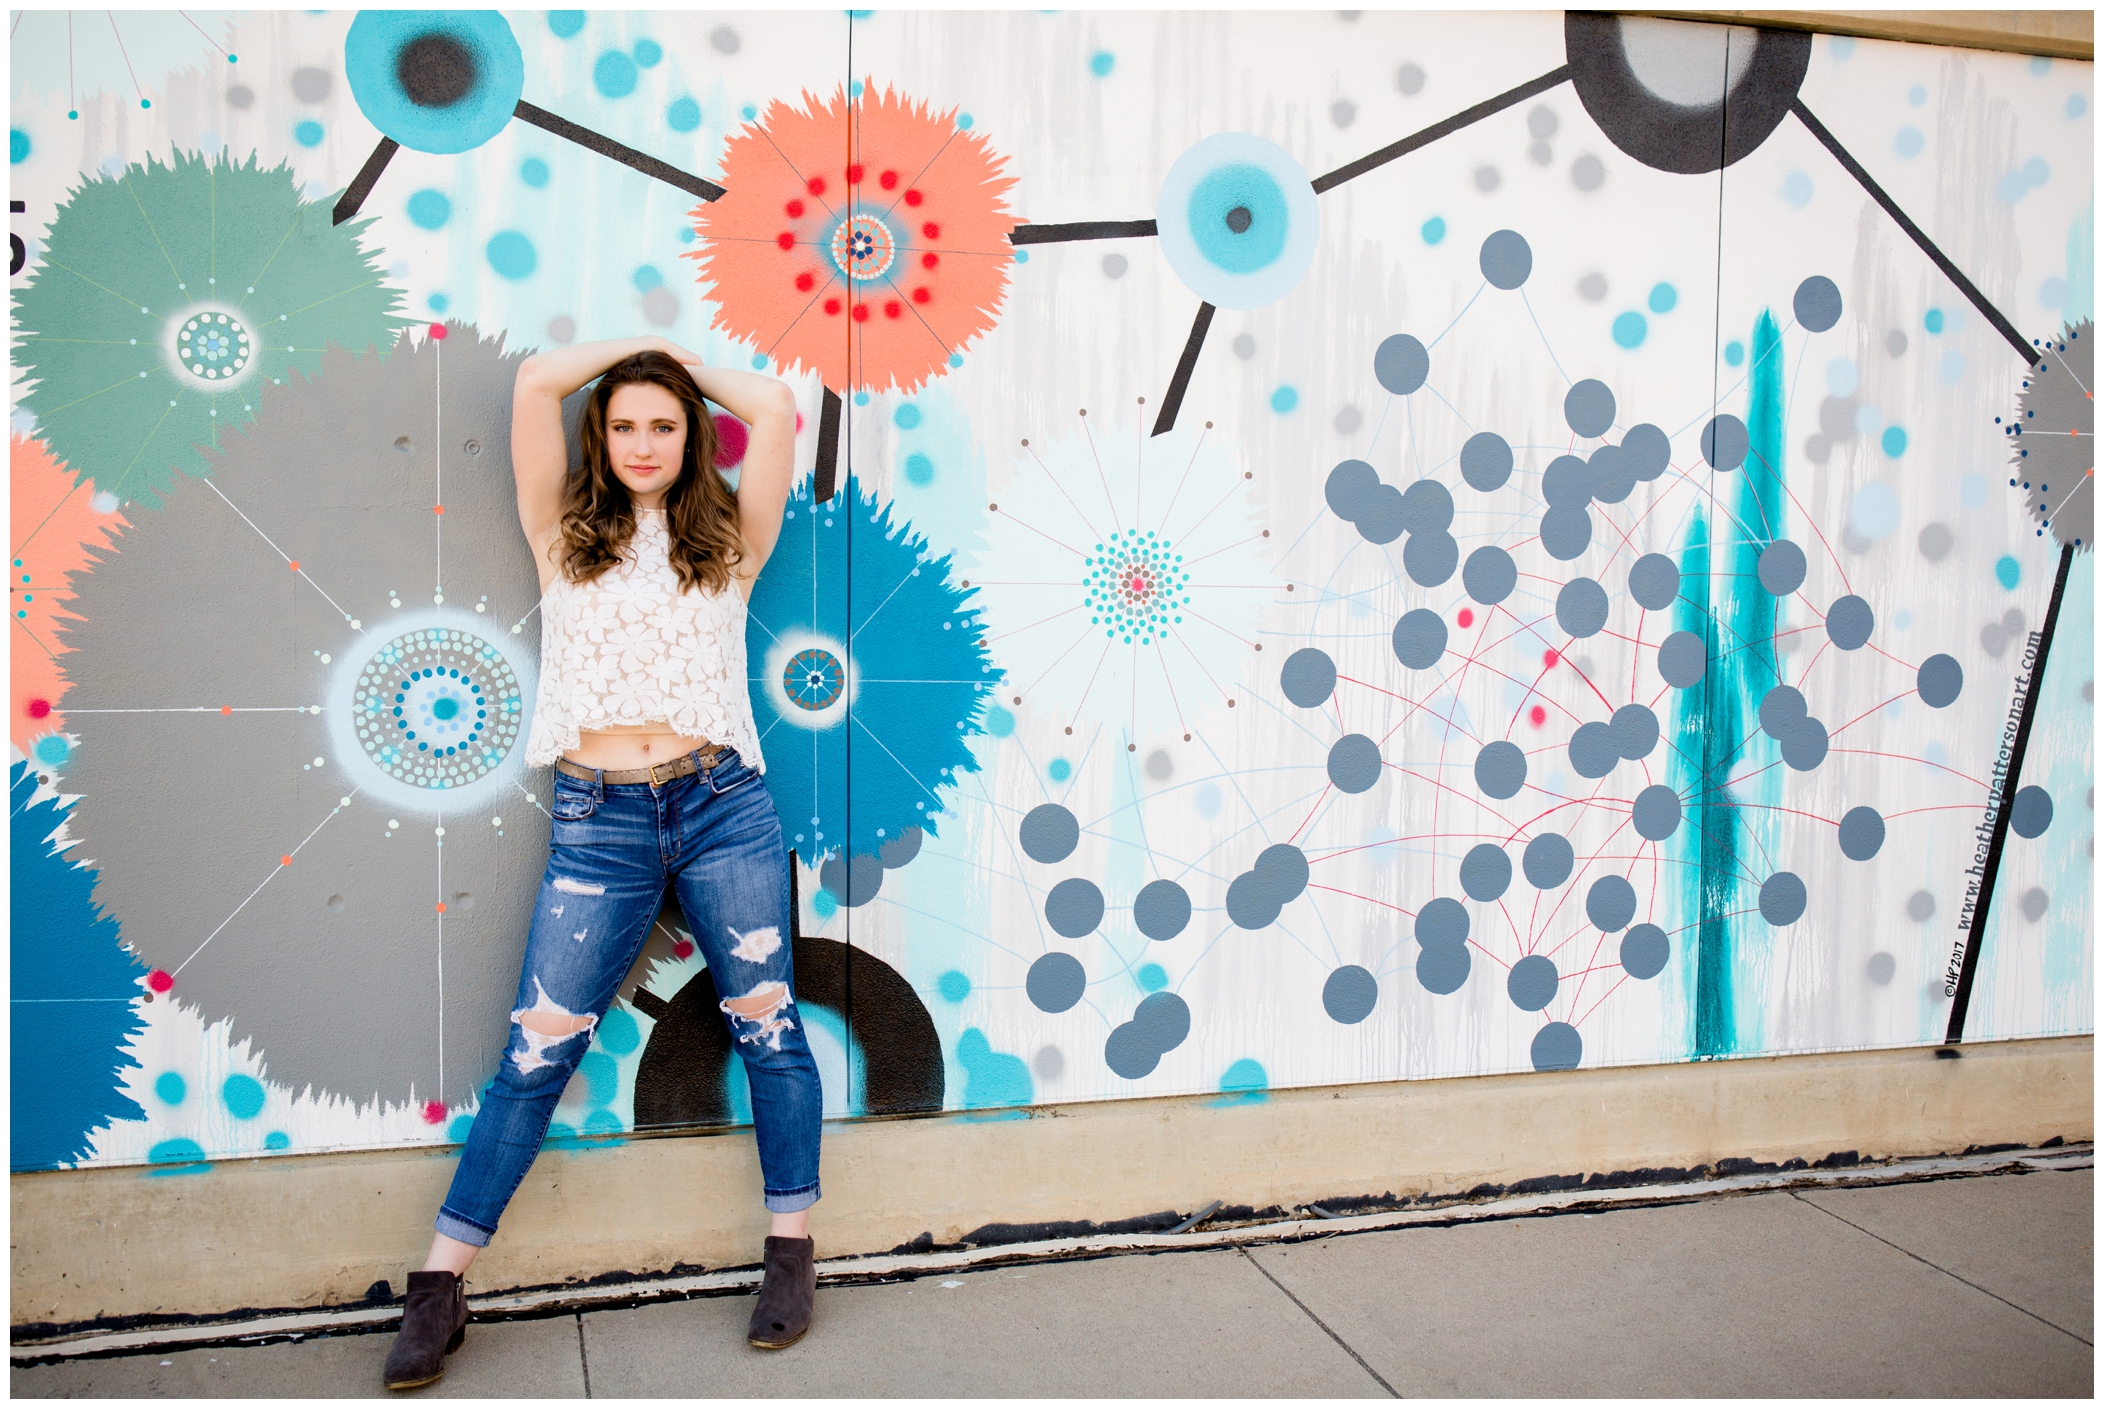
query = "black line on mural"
x=1914 y=232
x=825 y=474
x=1081 y=230
x=607 y=147
x=1185 y=365
x=18 y=252
x=2005 y=804
x=1466 y=117
x=362 y=184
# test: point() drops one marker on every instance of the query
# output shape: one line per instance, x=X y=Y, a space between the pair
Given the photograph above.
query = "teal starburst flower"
x=166 y=296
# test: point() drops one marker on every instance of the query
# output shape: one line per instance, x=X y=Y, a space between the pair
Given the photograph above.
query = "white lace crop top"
x=630 y=647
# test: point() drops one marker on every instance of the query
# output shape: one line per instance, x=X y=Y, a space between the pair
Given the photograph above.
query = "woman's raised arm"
x=539 y=459
x=769 y=408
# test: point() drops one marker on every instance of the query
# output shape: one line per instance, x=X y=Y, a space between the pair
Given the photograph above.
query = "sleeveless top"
x=630 y=647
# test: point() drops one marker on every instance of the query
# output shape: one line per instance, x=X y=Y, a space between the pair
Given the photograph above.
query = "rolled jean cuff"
x=462 y=1230
x=794 y=1201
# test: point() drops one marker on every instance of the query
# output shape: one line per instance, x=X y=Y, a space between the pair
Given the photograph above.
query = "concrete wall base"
x=104 y=1245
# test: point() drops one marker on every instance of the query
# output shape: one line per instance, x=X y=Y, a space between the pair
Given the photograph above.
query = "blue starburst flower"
x=167 y=296
x=869 y=673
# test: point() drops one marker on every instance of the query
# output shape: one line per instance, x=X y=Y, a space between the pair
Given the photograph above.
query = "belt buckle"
x=652 y=770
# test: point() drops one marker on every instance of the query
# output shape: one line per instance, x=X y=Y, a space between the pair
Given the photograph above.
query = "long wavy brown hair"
x=599 y=516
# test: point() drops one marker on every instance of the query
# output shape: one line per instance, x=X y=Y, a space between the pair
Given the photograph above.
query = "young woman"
x=646 y=559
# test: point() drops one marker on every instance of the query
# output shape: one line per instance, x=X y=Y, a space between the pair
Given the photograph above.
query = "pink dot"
x=438 y=331
x=1537 y=716
x=434 y=1112
x=731 y=439
x=1548 y=658
x=1466 y=617
x=799 y=423
x=160 y=980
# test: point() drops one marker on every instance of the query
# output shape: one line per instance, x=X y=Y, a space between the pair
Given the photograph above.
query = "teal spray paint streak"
x=1722 y=602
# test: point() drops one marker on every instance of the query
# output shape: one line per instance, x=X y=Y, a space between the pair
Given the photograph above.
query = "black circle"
x=1669 y=136
x=435 y=70
x=1238 y=219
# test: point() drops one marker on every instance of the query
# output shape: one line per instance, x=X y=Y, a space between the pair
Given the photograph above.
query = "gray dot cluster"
x=1786 y=719
x=1609 y=475
x=1158 y=1026
x=1255 y=897
x=1442 y=936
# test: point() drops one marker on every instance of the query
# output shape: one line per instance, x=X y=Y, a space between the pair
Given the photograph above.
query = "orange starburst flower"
x=867 y=240
x=59 y=531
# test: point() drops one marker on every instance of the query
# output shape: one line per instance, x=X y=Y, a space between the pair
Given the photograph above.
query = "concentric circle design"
x=1238 y=220
x=437 y=708
x=1137 y=587
x=863 y=247
x=213 y=346
x=814 y=678
x=434 y=80
x=1658 y=88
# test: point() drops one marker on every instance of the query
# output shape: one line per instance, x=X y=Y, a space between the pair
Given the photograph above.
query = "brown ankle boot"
x=787 y=1290
x=434 y=1320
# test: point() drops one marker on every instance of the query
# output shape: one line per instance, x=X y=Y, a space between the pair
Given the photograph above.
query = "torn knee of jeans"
x=544 y=1025
x=758 y=1015
x=570 y=887
x=756 y=946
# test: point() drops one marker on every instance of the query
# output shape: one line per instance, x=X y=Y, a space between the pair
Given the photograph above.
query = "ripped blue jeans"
x=715 y=837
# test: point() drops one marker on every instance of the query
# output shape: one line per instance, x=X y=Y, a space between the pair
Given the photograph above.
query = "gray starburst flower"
x=2053 y=445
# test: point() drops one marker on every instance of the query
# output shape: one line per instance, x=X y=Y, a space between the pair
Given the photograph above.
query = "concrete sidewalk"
x=1967 y=1286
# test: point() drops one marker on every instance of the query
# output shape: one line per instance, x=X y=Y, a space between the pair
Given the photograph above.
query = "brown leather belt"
x=657 y=774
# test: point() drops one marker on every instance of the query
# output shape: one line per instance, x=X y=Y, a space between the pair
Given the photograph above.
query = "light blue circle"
x=1227 y=173
x=646 y=278
x=954 y=987
x=1629 y=329
x=438 y=303
x=1153 y=978
x=2008 y=572
x=566 y=24
x=748 y=112
x=243 y=1096
x=1101 y=62
x=1734 y=353
x=999 y=721
x=964 y=122
x=957 y=358
x=376 y=37
x=1909 y=142
x=1874 y=512
x=2053 y=292
x=17 y=146
x=824 y=905
x=906 y=417
x=614 y=75
x=307 y=133
x=1022 y=256
x=1917 y=95
x=279 y=1140
x=1663 y=298
x=1059 y=770
x=511 y=254
x=618 y=1032
x=1933 y=320
x=171 y=1087
x=647 y=53
x=1797 y=189
x=53 y=750
x=684 y=115
x=601 y=1076
x=854 y=90
x=862 y=398
x=534 y=172
x=1433 y=230
x=920 y=469
x=1247 y=1074
x=2013 y=186
x=2037 y=172
x=1842 y=46
x=430 y=210
x=759 y=361
x=2041 y=64
x=176 y=1151
x=2077 y=105
x=1284 y=400
x=1893 y=442
x=1842 y=377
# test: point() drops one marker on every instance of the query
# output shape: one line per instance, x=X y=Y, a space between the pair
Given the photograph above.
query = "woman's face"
x=646 y=440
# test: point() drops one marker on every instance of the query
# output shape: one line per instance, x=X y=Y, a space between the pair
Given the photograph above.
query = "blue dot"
x=999 y=722
x=2008 y=572
x=1433 y=230
x=759 y=361
x=748 y=112
x=1951 y=367
x=648 y=52
x=1153 y=977
x=1101 y=62
x=1894 y=442
x=53 y=749
x=566 y=23
x=2077 y=105
x=430 y=210
x=176 y=1152
x=1245 y=1075
x=438 y=302
x=17 y=145
x=2037 y=172
x=1917 y=95
x=956 y=359
x=1284 y=399
x=307 y=133
x=1843 y=46
x=279 y=1140
x=615 y=74
x=646 y=278
x=618 y=1032
x=2013 y=187
x=601 y=1076
x=1022 y=256
x=511 y=254
x=854 y=90
x=1629 y=329
x=920 y=469
x=1797 y=189
x=170 y=1087
x=686 y=234
x=534 y=172
x=1909 y=142
x=1734 y=353
x=906 y=417
x=964 y=122
x=684 y=115
x=1059 y=770
x=862 y=398
x=823 y=905
x=243 y=1096
x=1663 y=298
x=953 y=986
x=2041 y=64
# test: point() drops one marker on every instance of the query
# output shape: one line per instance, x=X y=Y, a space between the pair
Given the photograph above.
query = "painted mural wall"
x=1331 y=547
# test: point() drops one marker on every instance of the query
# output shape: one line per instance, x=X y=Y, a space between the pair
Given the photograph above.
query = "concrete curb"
x=848 y=1271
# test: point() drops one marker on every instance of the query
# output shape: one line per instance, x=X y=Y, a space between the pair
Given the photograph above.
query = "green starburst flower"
x=166 y=296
